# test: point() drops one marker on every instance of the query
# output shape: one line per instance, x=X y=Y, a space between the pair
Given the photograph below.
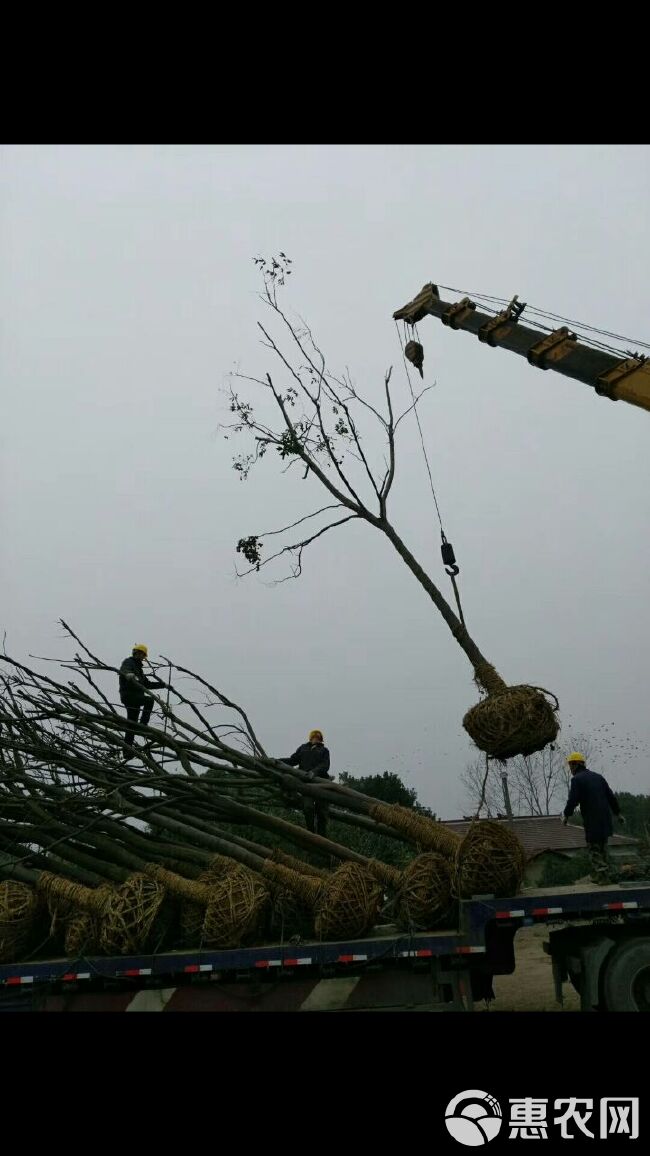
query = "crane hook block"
x=415 y=354
x=448 y=557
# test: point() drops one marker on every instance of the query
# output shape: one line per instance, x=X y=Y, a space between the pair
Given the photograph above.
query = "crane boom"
x=626 y=379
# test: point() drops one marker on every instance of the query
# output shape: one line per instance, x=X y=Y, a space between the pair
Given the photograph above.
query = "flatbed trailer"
x=599 y=940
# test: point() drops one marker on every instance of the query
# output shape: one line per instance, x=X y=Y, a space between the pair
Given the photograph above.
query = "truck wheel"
x=626 y=983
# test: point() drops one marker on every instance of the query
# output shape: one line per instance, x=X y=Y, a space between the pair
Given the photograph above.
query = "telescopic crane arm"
x=626 y=379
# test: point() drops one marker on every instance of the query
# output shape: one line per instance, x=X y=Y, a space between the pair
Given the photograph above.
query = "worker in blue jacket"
x=597 y=802
x=313 y=757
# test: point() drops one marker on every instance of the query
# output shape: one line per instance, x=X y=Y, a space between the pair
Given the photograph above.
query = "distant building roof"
x=539 y=833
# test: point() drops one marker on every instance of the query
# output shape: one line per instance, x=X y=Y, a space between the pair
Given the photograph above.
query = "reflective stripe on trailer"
x=470 y=950
x=520 y=914
x=423 y=953
x=69 y=977
x=621 y=906
x=351 y=958
x=290 y=962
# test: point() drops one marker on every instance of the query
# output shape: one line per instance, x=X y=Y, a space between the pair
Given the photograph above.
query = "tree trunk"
x=485 y=673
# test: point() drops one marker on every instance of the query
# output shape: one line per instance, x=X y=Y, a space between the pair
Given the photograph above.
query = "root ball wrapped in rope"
x=424 y=897
x=237 y=907
x=490 y=861
x=19 y=907
x=134 y=917
x=511 y=720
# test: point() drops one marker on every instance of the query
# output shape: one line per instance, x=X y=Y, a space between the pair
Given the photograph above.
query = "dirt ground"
x=530 y=988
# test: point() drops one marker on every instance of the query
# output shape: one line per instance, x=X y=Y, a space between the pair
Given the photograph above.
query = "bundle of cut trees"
x=99 y=855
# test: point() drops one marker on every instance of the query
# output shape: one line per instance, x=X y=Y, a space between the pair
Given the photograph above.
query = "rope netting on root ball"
x=78 y=909
x=424 y=897
x=193 y=913
x=289 y=915
x=136 y=916
x=67 y=896
x=238 y=905
x=349 y=903
x=82 y=929
x=511 y=720
x=234 y=903
x=490 y=861
x=286 y=915
x=19 y=907
x=346 y=904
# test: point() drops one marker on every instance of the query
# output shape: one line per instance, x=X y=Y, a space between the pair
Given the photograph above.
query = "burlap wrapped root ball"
x=237 y=907
x=512 y=720
x=348 y=903
x=424 y=899
x=19 y=908
x=136 y=917
x=490 y=861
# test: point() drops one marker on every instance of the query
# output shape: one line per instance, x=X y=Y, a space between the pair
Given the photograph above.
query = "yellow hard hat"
x=576 y=757
x=314 y=734
x=141 y=646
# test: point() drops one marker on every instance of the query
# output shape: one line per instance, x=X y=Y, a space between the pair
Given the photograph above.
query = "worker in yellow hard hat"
x=597 y=802
x=133 y=696
x=313 y=757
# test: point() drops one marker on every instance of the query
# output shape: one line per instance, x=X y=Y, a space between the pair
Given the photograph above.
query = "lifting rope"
x=446 y=549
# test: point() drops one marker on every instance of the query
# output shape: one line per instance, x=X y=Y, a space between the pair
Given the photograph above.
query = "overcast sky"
x=127 y=295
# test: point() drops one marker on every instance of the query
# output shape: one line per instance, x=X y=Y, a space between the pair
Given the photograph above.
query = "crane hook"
x=448 y=557
x=415 y=354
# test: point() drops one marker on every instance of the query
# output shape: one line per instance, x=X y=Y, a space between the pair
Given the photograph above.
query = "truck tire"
x=626 y=982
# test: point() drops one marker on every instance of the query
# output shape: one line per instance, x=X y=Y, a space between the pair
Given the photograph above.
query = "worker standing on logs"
x=133 y=696
x=313 y=757
x=597 y=801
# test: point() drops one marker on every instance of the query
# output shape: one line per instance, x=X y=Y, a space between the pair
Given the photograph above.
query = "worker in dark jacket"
x=313 y=757
x=133 y=681
x=597 y=801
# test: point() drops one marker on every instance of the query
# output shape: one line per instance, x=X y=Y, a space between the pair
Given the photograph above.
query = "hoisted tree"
x=318 y=432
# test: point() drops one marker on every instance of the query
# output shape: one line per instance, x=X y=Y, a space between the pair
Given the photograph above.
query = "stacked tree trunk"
x=102 y=856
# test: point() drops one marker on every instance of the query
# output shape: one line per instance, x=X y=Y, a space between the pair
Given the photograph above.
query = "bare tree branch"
x=298 y=548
